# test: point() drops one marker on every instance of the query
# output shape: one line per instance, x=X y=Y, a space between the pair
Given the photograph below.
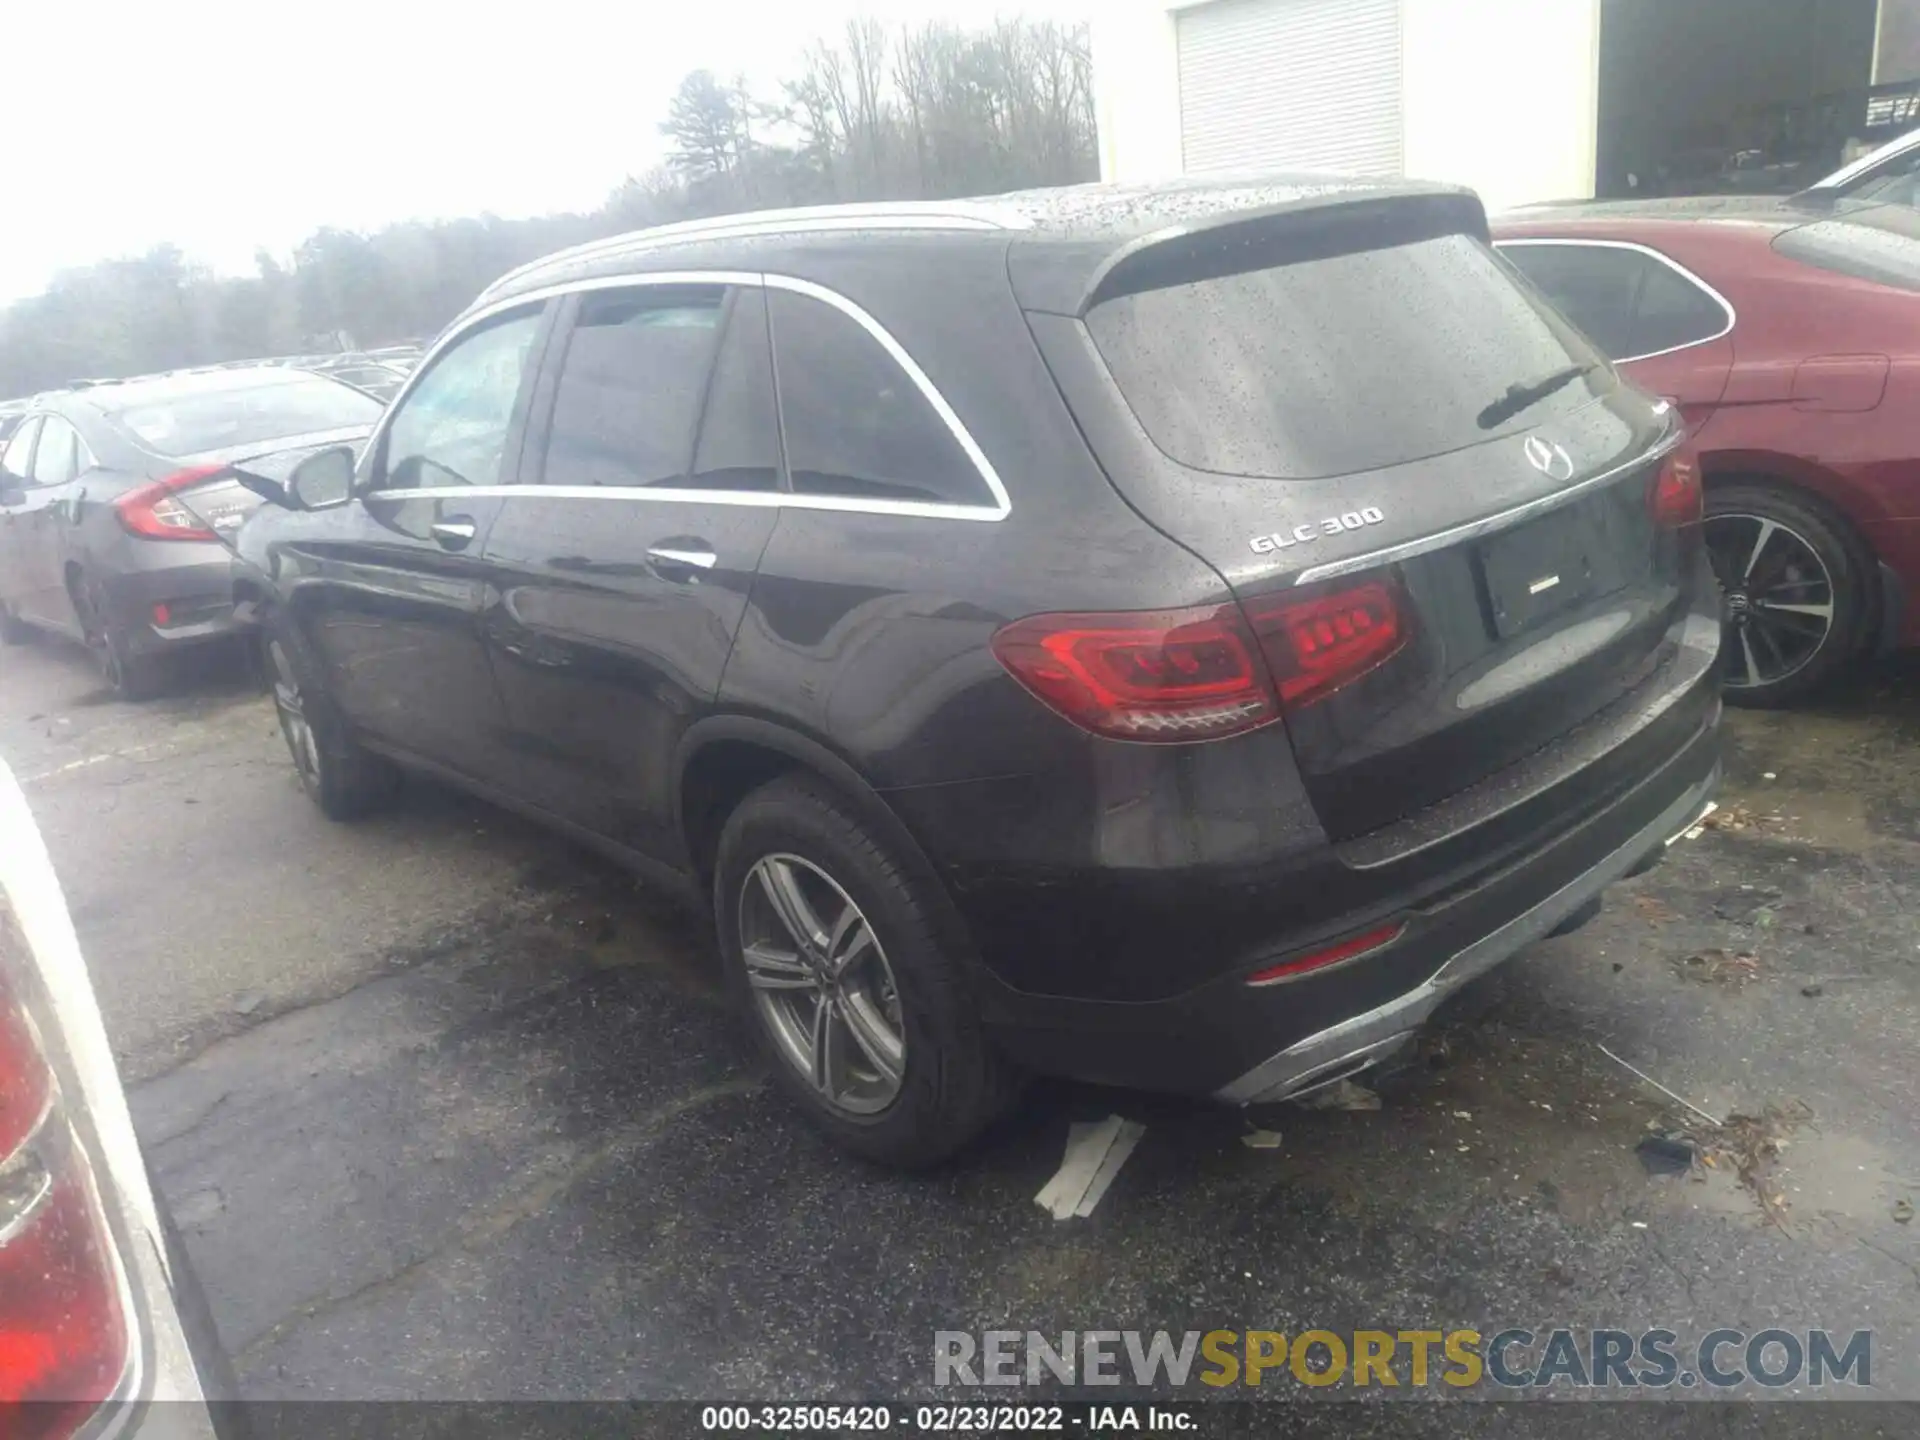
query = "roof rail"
x=895 y=215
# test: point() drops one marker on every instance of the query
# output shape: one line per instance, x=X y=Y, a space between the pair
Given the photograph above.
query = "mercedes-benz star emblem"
x=1549 y=459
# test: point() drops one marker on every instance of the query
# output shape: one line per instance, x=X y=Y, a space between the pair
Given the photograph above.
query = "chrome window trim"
x=925 y=509
x=1474 y=529
x=1672 y=264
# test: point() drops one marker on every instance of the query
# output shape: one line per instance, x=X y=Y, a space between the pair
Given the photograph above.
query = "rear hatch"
x=1431 y=496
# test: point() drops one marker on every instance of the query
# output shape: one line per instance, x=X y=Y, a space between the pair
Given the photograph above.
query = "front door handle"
x=455 y=534
x=681 y=560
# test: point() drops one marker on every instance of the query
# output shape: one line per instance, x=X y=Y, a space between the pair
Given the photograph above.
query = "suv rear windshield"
x=1881 y=245
x=1343 y=363
x=208 y=418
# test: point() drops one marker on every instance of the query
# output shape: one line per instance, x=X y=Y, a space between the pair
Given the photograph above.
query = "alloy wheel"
x=294 y=725
x=106 y=654
x=821 y=984
x=1779 y=597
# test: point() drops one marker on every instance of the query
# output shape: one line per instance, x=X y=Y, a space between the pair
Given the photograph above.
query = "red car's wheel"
x=1796 y=597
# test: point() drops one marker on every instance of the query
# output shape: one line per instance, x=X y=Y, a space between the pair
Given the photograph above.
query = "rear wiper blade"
x=1521 y=397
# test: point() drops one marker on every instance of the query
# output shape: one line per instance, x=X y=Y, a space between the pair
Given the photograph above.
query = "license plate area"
x=1536 y=571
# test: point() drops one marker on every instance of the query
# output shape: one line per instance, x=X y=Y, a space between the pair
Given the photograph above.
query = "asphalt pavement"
x=447 y=1109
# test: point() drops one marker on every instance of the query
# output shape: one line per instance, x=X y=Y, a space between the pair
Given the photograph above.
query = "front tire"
x=1797 y=594
x=342 y=777
x=834 y=957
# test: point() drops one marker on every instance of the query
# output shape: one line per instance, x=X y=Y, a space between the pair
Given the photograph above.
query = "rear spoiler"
x=1071 y=278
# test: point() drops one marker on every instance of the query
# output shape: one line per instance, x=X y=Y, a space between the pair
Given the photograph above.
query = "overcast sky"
x=222 y=126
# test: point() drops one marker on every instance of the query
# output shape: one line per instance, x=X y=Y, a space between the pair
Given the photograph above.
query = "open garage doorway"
x=1745 y=96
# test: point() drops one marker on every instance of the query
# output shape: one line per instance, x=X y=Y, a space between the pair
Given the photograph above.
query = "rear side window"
x=630 y=386
x=19 y=451
x=1343 y=363
x=1631 y=303
x=856 y=424
x=739 y=444
x=58 y=459
x=1882 y=245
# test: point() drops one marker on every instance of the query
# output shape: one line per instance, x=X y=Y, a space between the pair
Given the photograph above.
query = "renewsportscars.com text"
x=1509 y=1359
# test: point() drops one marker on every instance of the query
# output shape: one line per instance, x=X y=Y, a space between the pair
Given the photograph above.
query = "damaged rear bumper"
x=1353 y=1045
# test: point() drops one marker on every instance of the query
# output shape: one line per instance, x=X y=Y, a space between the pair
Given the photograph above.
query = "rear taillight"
x=1675 y=496
x=155 y=511
x=63 y=1332
x=1165 y=675
x=1319 y=643
x=1179 y=675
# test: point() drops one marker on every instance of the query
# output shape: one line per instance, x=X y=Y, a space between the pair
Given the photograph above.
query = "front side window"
x=631 y=386
x=1630 y=303
x=57 y=460
x=452 y=428
x=857 y=425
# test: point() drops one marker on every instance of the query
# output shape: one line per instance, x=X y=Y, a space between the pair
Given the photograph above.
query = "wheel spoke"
x=827 y=1059
x=851 y=946
x=1770 y=607
x=790 y=904
x=1767 y=527
x=769 y=969
x=1770 y=643
x=1803 y=628
x=876 y=1041
x=1753 y=668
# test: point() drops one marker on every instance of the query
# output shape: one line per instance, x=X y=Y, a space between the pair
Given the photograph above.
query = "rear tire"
x=129 y=675
x=911 y=1077
x=1796 y=582
x=342 y=777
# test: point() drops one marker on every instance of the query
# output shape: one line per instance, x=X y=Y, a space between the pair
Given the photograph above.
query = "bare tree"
x=928 y=111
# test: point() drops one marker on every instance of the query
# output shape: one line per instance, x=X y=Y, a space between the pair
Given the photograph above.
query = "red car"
x=1788 y=333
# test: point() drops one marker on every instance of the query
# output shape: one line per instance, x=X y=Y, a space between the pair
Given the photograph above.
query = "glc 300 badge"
x=1305 y=534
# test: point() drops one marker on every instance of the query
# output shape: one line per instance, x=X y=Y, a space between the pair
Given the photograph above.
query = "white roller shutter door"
x=1295 y=85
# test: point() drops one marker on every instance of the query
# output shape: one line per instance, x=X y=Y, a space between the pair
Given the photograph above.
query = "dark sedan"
x=113 y=504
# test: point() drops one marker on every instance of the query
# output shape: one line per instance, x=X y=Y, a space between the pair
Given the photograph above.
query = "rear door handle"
x=455 y=534
x=681 y=560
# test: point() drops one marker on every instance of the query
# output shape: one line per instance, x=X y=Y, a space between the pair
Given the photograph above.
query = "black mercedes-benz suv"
x=1166 y=637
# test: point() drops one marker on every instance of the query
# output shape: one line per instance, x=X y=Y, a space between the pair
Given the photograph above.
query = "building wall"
x=1497 y=94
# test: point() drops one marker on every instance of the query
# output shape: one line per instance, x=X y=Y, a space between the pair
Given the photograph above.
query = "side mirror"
x=13 y=489
x=323 y=480
x=268 y=489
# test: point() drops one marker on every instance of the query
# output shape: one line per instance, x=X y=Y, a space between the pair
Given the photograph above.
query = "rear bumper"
x=1352 y=1045
x=1243 y=1043
x=191 y=586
